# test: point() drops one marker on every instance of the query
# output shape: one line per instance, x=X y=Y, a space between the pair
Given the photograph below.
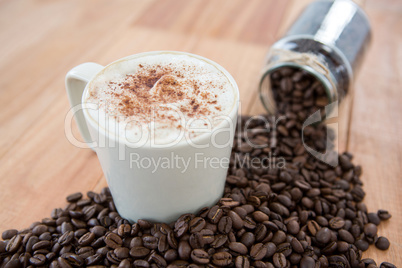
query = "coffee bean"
x=248 y=239
x=8 y=234
x=279 y=237
x=242 y=262
x=382 y=243
x=113 y=240
x=238 y=248
x=66 y=238
x=237 y=222
x=323 y=235
x=279 y=260
x=73 y=259
x=225 y=225
x=370 y=230
x=296 y=245
x=196 y=224
x=184 y=250
x=219 y=240
x=362 y=244
x=383 y=214
x=14 y=243
x=259 y=216
x=86 y=239
x=313 y=227
x=285 y=249
x=387 y=265
x=258 y=251
x=346 y=236
x=200 y=256
x=215 y=214
x=37 y=260
x=181 y=228
x=74 y=197
x=222 y=259
x=139 y=252
x=307 y=262
x=260 y=232
x=338 y=261
x=150 y=241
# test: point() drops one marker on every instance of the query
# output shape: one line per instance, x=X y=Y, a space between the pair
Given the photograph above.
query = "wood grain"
x=41 y=40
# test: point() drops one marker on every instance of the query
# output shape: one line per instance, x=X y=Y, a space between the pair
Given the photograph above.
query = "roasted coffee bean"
x=215 y=214
x=8 y=234
x=150 y=241
x=158 y=260
x=171 y=255
x=382 y=243
x=260 y=232
x=279 y=260
x=237 y=221
x=184 y=250
x=342 y=246
x=222 y=259
x=285 y=249
x=181 y=228
x=74 y=197
x=258 y=251
x=196 y=224
x=41 y=245
x=279 y=237
x=14 y=243
x=113 y=240
x=242 y=262
x=37 y=260
x=248 y=239
x=163 y=244
x=172 y=240
x=225 y=225
x=323 y=235
x=86 y=239
x=293 y=227
x=370 y=230
x=383 y=214
x=307 y=262
x=313 y=227
x=346 y=236
x=200 y=256
x=139 y=252
x=336 y=223
x=66 y=238
x=330 y=248
x=238 y=248
x=73 y=259
x=260 y=216
x=387 y=265
x=219 y=240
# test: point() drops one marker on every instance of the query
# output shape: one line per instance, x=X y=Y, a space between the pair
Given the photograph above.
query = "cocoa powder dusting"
x=152 y=90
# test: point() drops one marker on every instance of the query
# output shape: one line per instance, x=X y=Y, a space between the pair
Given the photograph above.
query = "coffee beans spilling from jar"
x=281 y=207
x=298 y=92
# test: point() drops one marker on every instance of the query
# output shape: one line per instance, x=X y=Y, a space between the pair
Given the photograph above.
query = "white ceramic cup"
x=156 y=194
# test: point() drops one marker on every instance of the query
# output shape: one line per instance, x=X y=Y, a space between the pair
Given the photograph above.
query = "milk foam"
x=160 y=98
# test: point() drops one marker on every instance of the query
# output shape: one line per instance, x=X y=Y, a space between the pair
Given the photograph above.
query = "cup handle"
x=76 y=80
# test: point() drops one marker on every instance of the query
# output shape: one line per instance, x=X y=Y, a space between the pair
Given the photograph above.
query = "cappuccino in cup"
x=162 y=124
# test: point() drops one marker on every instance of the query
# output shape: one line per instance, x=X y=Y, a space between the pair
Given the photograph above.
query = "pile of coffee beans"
x=297 y=91
x=281 y=207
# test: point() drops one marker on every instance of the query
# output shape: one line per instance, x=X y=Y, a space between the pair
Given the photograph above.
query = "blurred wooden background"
x=40 y=40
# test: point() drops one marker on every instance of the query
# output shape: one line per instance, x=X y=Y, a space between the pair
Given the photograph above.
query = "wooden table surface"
x=40 y=40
